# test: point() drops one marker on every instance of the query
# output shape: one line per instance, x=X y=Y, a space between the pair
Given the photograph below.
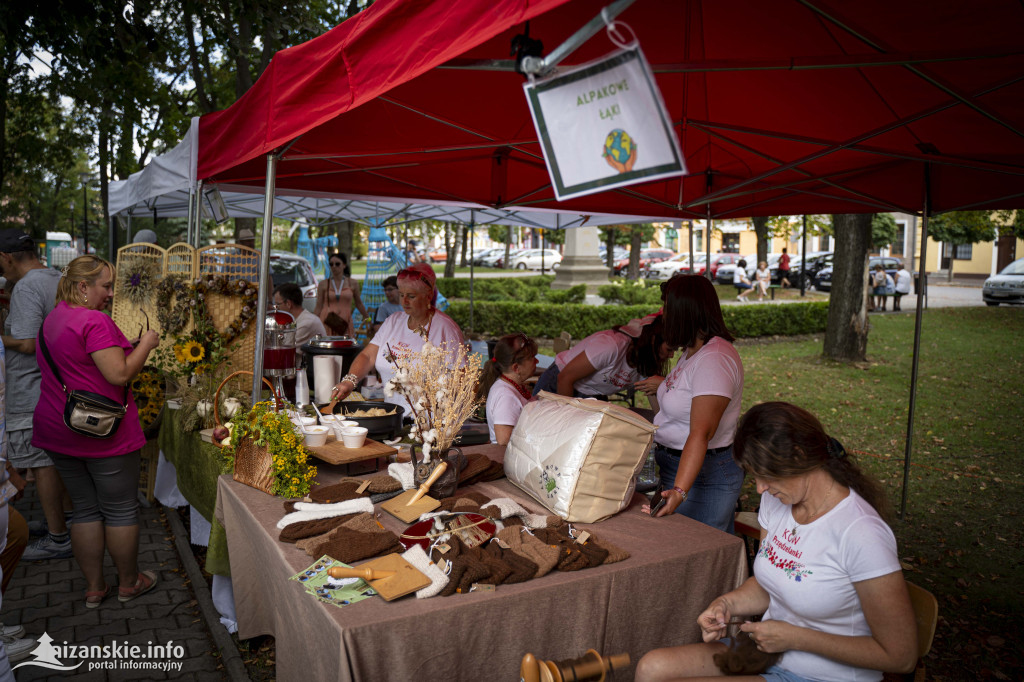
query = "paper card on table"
x=315 y=581
x=396 y=506
x=407 y=578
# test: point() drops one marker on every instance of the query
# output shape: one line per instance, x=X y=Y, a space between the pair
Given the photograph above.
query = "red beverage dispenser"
x=279 y=348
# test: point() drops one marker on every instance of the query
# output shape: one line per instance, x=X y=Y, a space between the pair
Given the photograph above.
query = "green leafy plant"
x=293 y=475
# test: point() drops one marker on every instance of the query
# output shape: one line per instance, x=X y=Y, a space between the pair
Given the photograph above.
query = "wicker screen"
x=139 y=270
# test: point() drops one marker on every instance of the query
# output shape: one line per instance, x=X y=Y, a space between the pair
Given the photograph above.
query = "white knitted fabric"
x=507 y=505
x=402 y=472
x=419 y=559
x=310 y=511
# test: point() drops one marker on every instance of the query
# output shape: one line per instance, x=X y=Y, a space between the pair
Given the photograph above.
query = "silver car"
x=1007 y=286
x=288 y=267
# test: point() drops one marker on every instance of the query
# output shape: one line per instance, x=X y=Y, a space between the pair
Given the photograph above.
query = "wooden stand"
x=400 y=508
x=405 y=577
x=589 y=667
x=335 y=452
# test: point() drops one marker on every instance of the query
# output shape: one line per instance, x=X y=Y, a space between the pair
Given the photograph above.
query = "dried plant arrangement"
x=439 y=383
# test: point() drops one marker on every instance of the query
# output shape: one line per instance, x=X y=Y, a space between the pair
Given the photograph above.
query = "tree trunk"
x=609 y=254
x=761 y=230
x=952 y=258
x=508 y=248
x=635 y=237
x=344 y=233
x=248 y=224
x=450 y=250
x=846 y=336
x=463 y=260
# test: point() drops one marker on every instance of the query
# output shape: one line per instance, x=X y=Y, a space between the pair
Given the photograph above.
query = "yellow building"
x=737 y=236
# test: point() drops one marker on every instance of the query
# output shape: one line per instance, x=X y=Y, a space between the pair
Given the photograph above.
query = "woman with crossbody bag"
x=101 y=473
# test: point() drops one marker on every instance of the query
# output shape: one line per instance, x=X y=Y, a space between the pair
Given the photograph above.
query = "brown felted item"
x=358 y=538
x=339 y=492
x=464 y=504
x=529 y=547
x=307 y=529
x=476 y=465
x=497 y=570
x=615 y=554
x=464 y=569
x=595 y=554
x=522 y=568
x=382 y=483
x=493 y=472
x=513 y=521
x=570 y=558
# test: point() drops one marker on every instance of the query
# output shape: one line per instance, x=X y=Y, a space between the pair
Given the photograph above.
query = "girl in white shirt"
x=764 y=279
x=504 y=384
x=827 y=579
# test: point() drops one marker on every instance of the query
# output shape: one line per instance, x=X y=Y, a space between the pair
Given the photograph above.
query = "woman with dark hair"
x=608 y=361
x=403 y=333
x=337 y=294
x=503 y=382
x=827 y=578
x=699 y=405
x=101 y=475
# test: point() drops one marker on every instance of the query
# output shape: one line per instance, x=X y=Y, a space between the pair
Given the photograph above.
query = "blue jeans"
x=712 y=498
x=548 y=380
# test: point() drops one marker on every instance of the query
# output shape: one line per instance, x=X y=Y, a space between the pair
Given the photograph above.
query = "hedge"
x=546 y=320
x=498 y=288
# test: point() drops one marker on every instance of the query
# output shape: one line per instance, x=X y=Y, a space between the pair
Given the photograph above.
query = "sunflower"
x=193 y=352
x=179 y=354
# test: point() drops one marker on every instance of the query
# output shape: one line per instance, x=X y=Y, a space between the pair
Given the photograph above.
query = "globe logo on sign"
x=619 y=150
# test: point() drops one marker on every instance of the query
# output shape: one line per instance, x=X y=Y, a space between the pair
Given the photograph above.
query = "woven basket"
x=254 y=465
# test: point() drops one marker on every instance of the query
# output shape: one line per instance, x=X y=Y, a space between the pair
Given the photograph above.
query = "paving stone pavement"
x=49 y=597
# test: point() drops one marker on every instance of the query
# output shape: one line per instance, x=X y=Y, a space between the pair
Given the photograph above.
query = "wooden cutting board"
x=335 y=452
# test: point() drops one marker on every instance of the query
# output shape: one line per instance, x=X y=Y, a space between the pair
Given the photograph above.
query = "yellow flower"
x=193 y=352
x=179 y=354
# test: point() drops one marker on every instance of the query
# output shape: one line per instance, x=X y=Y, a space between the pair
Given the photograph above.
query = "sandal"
x=94 y=598
x=146 y=581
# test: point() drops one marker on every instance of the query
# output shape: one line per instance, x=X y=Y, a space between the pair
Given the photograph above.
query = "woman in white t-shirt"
x=741 y=281
x=609 y=361
x=699 y=405
x=404 y=333
x=827 y=579
x=763 y=276
x=901 y=286
x=503 y=382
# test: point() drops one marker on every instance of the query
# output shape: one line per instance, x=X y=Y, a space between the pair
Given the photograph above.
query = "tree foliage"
x=883 y=230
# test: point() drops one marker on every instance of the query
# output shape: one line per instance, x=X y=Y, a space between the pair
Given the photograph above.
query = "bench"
x=772 y=288
x=885 y=300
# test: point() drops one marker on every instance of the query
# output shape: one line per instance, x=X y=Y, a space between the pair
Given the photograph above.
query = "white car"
x=667 y=268
x=530 y=259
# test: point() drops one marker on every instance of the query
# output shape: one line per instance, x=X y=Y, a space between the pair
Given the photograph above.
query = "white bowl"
x=354 y=436
x=348 y=423
x=315 y=436
x=303 y=422
x=330 y=419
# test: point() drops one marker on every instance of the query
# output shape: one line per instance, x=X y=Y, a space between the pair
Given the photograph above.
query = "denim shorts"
x=712 y=498
x=774 y=673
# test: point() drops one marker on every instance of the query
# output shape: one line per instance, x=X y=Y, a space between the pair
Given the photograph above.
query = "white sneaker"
x=18 y=649
x=46 y=548
x=11 y=631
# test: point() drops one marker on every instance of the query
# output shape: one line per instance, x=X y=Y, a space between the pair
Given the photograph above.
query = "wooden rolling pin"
x=425 y=486
x=364 y=573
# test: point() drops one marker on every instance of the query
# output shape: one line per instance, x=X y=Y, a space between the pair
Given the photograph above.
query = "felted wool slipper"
x=147 y=581
x=94 y=598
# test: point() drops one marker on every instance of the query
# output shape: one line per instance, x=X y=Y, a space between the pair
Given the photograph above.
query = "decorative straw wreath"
x=173 y=319
x=247 y=291
x=136 y=277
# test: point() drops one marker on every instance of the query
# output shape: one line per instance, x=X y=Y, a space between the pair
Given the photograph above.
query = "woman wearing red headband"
x=403 y=333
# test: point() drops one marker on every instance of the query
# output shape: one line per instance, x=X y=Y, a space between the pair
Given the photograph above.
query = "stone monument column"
x=581 y=263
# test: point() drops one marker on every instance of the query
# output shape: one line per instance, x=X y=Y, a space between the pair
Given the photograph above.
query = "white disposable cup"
x=338 y=429
x=303 y=422
x=315 y=436
x=354 y=436
x=348 y=423
x=330 y=419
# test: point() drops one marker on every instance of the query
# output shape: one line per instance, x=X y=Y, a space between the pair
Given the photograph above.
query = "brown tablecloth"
x=677 y=566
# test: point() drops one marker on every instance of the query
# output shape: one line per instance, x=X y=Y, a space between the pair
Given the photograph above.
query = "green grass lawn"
x=961 y=537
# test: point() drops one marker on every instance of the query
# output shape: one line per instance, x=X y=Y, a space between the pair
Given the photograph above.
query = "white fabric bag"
x=578 y=457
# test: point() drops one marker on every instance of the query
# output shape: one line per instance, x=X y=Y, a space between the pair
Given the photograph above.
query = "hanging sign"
x=604 y=125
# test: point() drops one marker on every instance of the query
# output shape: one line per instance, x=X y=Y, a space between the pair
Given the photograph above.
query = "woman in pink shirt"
x=101 y=475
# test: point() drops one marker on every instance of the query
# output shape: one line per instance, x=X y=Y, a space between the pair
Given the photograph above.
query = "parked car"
x=437 y=256
x=289 y=267
x=815 y=261
x=533 y=259
x=1007 y=286
x=667 y=268
x=480 y=256
x=499 y=262
x=717 y=261
x=726 y=270
x=823 y=280
x=647 y=258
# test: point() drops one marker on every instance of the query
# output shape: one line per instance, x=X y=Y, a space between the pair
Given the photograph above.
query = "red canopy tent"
x=781 y=107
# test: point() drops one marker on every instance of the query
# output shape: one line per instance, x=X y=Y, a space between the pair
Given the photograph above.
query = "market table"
x=650 y=600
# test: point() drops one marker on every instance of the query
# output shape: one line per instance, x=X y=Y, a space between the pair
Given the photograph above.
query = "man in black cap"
x=31 y=301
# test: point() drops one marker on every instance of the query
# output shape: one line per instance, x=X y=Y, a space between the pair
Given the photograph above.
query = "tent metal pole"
x=472 y=248
x=539 y=66
x=707 y=248
x=264 y=276
x=128 y=229
x=191 y=213
x=922 y=283
x=803 y=257
x=196 y=237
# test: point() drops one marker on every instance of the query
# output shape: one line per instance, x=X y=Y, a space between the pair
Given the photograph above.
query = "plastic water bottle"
x=301 y=388
x=648 y=477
